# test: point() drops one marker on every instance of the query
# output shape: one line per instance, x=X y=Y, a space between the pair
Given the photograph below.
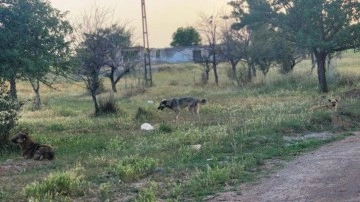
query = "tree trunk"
x=13 y=91
x=216 y=75
x=250 y=72
x=233 y=69
x=37 y=101
x=94 y=84
x=234 y=73
x=96 y=105
x=112 y=76
x=321 y=67
x=313 y=62
x=36 y=87
x=214 y=67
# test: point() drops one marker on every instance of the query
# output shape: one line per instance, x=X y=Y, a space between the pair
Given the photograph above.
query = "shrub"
x=108 y=105
x=9 y=110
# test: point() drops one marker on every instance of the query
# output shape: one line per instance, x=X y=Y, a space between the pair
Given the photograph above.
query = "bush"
x=108 y=105
x=9 y=110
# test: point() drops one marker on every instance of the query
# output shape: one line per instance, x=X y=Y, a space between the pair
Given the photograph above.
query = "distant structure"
x=147 y=61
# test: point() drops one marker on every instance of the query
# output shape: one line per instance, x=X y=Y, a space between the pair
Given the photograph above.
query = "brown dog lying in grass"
x=32 y=150
x=332 y=105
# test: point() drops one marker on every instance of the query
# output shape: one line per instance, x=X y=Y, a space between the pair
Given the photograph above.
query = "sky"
x=163 y=16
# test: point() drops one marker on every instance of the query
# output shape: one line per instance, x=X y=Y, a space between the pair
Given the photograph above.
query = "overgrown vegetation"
x=240 y=130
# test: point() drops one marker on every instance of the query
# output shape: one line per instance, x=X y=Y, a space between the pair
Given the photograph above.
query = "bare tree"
x=210 y=29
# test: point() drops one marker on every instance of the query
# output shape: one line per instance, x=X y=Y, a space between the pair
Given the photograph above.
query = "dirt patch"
x=14 y=166
x=330 y=173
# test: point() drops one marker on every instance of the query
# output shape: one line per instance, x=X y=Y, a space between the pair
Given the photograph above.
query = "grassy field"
x=108 y=157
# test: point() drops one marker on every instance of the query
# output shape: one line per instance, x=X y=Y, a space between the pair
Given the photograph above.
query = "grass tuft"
x=133 y=168
x=59 y=184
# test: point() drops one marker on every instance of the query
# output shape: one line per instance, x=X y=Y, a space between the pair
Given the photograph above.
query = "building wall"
x=174 y=55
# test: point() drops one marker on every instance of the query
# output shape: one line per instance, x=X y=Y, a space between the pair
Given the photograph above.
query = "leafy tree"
x=120 y=58
x=185 y=36
x=103 y=48
x=34 y=42
x=91 y=57
x=322 y=27
x=233 y=48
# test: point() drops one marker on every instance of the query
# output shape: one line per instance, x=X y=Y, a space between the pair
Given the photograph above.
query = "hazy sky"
x=163 y=16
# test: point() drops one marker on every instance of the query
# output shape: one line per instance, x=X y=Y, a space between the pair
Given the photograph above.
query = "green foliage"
x=69 y=183
x=187 y=36
x=9 y=112
x=209 y=180
x=34 y=39
x=303 y=25
x=98 y=49
x=133 y=168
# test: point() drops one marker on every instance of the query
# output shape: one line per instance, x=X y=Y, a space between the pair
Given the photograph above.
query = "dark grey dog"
x=177 y=104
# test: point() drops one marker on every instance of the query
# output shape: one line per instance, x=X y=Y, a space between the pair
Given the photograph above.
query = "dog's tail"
x=203 y=101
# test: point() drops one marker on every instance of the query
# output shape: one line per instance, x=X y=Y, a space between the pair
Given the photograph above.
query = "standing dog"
x=177 y=104
x=32 y=150
x=332 y=105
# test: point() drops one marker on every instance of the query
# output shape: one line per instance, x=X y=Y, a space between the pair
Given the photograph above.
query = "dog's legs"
x=38 y=156
x=177 y=111
x=194 y=110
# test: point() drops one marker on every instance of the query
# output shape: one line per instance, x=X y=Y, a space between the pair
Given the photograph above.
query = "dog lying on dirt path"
x=32 y=150
x=177 y=104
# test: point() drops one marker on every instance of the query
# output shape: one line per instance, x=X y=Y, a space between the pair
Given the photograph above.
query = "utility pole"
x=147 y=65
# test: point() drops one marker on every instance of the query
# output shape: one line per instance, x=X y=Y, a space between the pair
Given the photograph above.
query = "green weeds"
x=58 y=185
x=133 y=168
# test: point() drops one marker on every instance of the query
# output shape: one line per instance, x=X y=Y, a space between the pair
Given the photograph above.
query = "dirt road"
x=329 y=174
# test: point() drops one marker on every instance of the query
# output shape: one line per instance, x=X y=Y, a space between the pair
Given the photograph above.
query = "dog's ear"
x=329 y=100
